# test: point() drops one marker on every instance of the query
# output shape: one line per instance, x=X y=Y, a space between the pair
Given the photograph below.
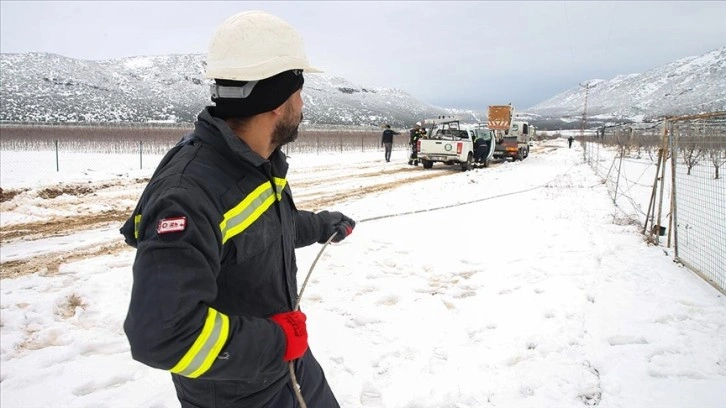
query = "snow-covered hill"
x=687 y=86
x=37 y=87
x=40 y=87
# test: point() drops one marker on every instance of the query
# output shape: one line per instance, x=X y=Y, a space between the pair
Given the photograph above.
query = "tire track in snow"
x=350 y=186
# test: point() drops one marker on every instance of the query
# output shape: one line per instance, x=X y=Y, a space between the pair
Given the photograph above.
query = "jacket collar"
x=231 y=143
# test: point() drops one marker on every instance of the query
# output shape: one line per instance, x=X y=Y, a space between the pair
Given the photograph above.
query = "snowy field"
x=518 y=285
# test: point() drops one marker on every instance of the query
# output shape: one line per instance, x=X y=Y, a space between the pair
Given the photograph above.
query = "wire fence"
x=70 y=148
x=699 y=153
x=668 y=177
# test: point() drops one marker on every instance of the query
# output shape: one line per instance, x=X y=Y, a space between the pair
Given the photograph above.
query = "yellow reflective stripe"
x=246 y=212
x=137 y=221
x=280 y=183
x=206 y=347
x=251 y=208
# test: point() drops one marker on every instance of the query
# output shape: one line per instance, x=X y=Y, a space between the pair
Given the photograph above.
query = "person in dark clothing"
x=414 y=135
x=569 y=141
x=215 y=231
x=480 y=150
x=387 y=141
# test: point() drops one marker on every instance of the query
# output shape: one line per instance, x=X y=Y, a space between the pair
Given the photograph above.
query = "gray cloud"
x=452 y=54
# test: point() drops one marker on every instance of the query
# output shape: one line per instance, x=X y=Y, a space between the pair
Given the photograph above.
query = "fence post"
x=57 y=165
x=651 y=203
x=662 y=177
x=362 y=148
x=617 y=181
x=674 y=210
x=141 y=154
x=597 y=159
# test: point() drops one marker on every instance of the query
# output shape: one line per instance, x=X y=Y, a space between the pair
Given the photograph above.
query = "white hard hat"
x=418 y=123
x=255 y=45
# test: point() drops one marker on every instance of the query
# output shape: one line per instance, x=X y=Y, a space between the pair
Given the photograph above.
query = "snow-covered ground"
x=518 y=285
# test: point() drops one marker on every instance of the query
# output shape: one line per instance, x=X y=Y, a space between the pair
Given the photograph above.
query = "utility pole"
x=584 y=122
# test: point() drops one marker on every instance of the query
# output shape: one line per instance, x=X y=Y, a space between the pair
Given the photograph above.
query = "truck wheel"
x=466 y=166
x=520 y=155
x=526 y=152
x=427 y=164
x=487 y=162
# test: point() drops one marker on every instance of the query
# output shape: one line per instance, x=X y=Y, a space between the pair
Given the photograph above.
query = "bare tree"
x=717 y=158
x=715 y=145
x=692 y=154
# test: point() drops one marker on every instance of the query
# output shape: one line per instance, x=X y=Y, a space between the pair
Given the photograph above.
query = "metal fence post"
x=617 y=181
x=673 y=217
x=57 y=165
x=597 y=159
x=662 y=182
x=141 y=154
x=674 y=200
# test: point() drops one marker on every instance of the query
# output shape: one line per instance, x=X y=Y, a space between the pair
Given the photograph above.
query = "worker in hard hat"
x=414 y=135
x=215 y=293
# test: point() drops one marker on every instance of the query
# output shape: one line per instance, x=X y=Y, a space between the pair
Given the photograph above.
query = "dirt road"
x=70 y=209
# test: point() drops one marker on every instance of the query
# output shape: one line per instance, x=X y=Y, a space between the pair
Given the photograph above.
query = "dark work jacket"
x=216 y=231
x=387 y=136
x=415 y=134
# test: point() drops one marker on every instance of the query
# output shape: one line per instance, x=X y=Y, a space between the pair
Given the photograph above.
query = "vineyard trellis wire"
x=58 y=148
x=683 y=158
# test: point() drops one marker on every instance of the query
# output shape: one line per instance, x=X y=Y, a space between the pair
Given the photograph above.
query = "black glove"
x=335 y=222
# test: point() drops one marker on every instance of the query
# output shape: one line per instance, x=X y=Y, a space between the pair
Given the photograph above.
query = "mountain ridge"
x=42 y=87
x=39 y=87
x=690 y=85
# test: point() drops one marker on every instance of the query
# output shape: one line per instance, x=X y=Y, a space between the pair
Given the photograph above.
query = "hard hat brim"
x=254 y=74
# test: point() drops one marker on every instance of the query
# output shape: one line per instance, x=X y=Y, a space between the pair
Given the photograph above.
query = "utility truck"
x=512 y=136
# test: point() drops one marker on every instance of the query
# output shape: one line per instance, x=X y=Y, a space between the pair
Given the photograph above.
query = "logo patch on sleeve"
x=167 y=225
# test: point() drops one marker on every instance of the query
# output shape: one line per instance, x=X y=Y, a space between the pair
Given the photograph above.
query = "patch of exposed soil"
x=58 y=226
x=53 y=192
x=326 y=200
x=7 y=195
x=48 y=264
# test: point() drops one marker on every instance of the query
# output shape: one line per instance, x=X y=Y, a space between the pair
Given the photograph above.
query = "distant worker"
x=387 y=141
x=570 y=140
x=480 y=150
x=414 y=135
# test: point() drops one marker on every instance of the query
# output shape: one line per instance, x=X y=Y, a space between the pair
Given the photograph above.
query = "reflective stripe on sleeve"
x=137 y=221
x=251 y=208
x=206 y=348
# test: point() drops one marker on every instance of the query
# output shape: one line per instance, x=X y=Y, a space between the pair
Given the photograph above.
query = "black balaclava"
x=239 y=99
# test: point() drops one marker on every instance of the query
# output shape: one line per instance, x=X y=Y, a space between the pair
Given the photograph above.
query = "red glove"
x=335 y=222
x=344 y=229
x=296 y=334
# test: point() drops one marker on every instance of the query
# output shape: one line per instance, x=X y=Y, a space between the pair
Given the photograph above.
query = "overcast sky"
x=450 y=54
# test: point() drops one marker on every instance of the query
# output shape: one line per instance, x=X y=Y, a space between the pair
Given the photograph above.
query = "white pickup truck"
x=446 y=142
